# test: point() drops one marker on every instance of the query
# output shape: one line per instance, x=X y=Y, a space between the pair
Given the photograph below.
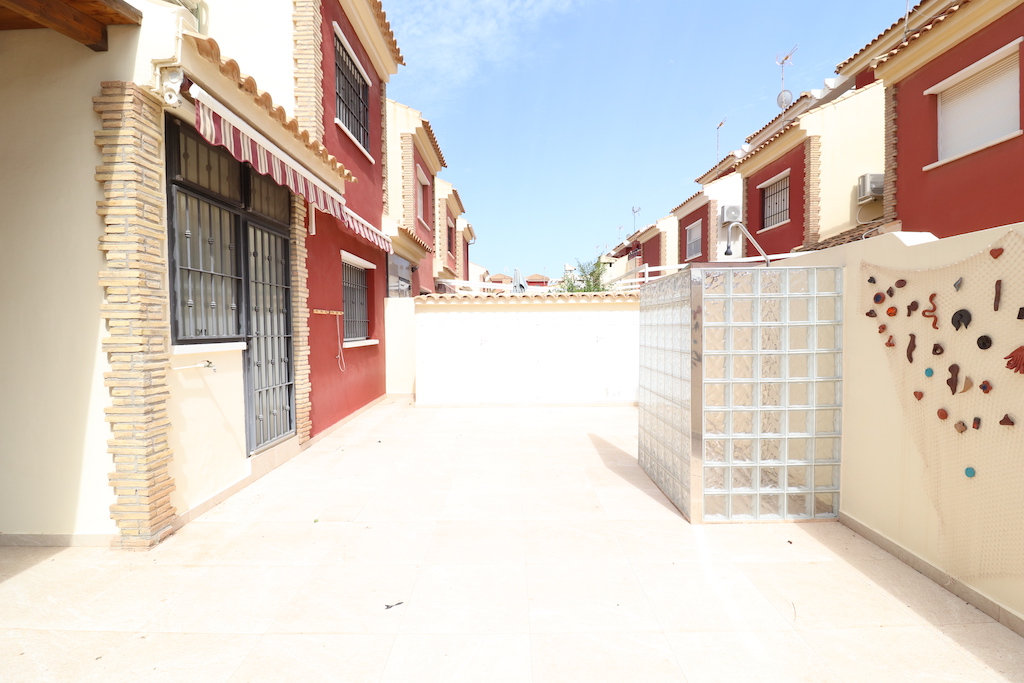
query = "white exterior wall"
x=400 y=350
x=535 y=352
x=852 y=130
x=727 y=191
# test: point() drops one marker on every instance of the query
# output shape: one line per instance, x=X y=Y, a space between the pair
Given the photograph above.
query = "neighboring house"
x=478 y=273
x=537 y=280
x=347 y=257
x=185 y=358
x=413 y=161
x=501 y=279
x=447 y=237
x=467 y=237
x=952 y=117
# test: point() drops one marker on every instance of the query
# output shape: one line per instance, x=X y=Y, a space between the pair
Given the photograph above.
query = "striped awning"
x=222 y=128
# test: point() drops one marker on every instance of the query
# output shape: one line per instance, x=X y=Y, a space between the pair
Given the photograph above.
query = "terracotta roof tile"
x=385 y=28
x=858 y=53
x=782 y=131
x=695 y=194
x=851 y=235
x=920 y=32
x=433 y=141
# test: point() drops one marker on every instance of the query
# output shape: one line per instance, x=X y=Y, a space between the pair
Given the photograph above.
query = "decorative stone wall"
x=136 y=310
x=300 y=319
x=309 y=74
x=889 y=189
x=812 y=190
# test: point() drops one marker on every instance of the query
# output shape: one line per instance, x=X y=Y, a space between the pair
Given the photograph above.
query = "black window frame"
x=352 y=94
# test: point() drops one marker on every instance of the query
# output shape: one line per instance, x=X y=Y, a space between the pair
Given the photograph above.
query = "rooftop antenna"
x=636 y=210
x=906 y=18
x=718 y=128
x=785 y=97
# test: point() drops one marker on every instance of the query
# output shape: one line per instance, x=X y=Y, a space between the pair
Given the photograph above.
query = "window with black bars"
x=357 y=314
x=353 y=94
x=775 y=201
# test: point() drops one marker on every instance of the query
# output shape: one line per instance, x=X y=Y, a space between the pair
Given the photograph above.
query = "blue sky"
x=557 y=117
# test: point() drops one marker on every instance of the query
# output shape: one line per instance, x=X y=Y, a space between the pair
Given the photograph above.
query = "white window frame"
x=978 y=67
x=366 y=76
x=789 y=206
x=686 y=233
x=422 y=181
x=364 y=265
x=451 y=236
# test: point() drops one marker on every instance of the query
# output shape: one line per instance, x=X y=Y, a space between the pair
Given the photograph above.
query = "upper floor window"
x=775 y=201
x=979 y=106
x=422 y=194
x=353 y=92
x=451 y=237
x=693 y=240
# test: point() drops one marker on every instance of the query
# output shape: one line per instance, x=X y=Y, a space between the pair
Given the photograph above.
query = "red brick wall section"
x=136 y=311
x=651 y=251
x=781 y=239
x=978 y=191
x=701 y=214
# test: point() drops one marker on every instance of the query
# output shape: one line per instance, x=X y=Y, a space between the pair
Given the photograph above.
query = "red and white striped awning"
x=220 y=127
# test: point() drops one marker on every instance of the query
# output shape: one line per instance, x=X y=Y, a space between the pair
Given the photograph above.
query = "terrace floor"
x=490 y=544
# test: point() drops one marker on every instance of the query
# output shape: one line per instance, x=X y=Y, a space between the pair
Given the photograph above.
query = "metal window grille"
x=353 y=94
x=357 y=319
x=775 y=200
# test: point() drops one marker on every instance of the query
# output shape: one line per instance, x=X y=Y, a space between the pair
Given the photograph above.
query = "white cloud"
x=450 y=40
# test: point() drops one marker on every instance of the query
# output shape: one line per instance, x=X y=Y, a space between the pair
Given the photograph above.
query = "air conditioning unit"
x=870 y=187
x=732 y=214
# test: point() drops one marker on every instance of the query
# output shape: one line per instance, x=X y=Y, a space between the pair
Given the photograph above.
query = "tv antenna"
x=785 y=97
x=718 y=129
x=636 y=210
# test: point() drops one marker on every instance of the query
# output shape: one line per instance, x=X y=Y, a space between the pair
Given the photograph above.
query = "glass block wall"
x=766 y=389
x=664 y=429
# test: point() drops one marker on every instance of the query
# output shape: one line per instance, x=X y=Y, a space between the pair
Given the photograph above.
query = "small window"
x=693 y=234
x=422 y=194
x=775 y=203
x=451 y=237
x=357 y=318
x=353 y=94
x=980 y=105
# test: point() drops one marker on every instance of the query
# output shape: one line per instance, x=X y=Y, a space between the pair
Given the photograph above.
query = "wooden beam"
x=64 y=19
x=12 y=21
x=108 y=11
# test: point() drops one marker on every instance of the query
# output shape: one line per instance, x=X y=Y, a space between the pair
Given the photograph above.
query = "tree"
x=586 y=277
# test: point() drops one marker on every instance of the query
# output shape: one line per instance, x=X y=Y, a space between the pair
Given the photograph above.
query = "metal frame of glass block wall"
x=771 y=391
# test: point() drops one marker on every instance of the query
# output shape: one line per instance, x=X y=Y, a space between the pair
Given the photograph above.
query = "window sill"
x=690 y=258
x=423 y=223
x=356 y=343
x=969 y=152
x=355 y=142
x=772 y=227
x=203 y=349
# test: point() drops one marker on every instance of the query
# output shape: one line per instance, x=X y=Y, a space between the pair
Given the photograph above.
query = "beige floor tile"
x=53 y=656
x=992 y=646
x=772 y=542
x=348 y=599
x=619 y=475
x=587 y=598
x=632 y=503
x=316 y=658
x=472 y=506
x=468 y=599
x=651 y=542
x=897 y=653
x=197 y=543
x=462 y=543
x=561 y=504
x=175 y=657
x=573 y=542
x=815 y=595
x=707 y=596
x=280 y=543
x=461 y=658
x=404 y=505
x=763 y=656
x=380 y=543
x=231 y=599
x=604 y=658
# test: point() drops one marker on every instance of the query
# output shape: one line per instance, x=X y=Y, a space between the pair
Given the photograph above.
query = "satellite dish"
x=784 y=99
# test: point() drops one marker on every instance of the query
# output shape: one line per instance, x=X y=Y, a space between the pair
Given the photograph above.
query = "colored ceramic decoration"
x=977 y=423
x=901 y=284
x=890 y=343
x=999 y=293
x=954 y=375
x=968 y=383
x=957 y=284
x=911 y=308
x=890 y=291
x=961 y=317
x=930 y=312
x=942 y=414
x=918 y=395
x=871 y=314
x=960 y=427
x=970 y=472
x=910 y=348
x=878 y=297
x=928 y=372
x=1007 y=421
x=996 y=253
x=891 y=311
x=985 y=387
x=1015 y=361
x=984 y=342
x=937 y=349
x=881 y=329
x=871 y=280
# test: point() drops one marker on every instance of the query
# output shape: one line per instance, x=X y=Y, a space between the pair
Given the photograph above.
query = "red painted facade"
x=781 y=239
x=650 y=251
x=978 y=191
x=702 y=214
x=342 y=385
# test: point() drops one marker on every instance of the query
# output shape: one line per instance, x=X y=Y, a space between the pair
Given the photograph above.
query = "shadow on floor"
x=626 y=467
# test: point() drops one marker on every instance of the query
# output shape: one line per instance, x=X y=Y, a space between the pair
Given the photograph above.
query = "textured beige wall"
x=884 y=485
x=400 y=350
